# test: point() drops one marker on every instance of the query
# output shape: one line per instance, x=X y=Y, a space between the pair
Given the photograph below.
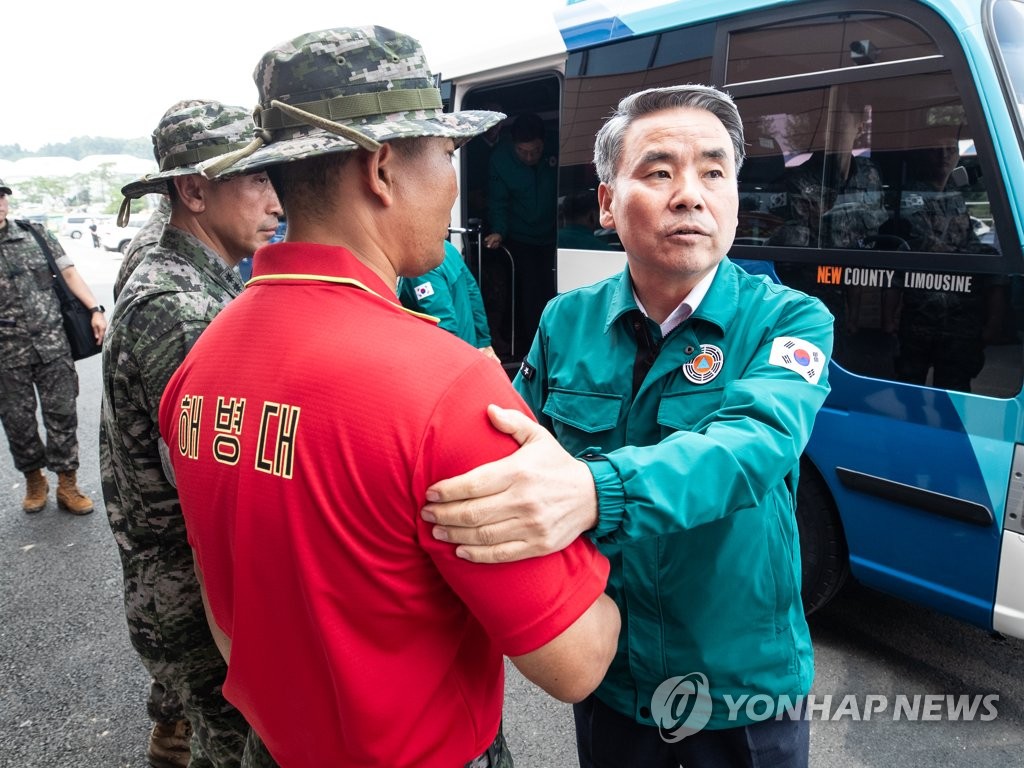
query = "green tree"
x=47 y=191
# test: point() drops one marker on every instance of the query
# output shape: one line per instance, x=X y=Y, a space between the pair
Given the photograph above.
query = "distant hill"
x=83 y=146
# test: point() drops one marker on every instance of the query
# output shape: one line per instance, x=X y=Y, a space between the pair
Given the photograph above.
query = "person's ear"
x=604 y=200
x=379 y=168
x=191 y=191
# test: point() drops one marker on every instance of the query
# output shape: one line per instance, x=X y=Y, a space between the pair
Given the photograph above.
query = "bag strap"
x=64 y=293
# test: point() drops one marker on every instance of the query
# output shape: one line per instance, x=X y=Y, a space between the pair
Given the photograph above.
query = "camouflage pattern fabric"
x=34 y=355
x=936 y=220
x=164 y=704
x=504 y=759
x=170 y=298
x=256 y=754
x=857 y=208
x=188 y=133
x=838 y=215
x=27 y=298
x=372 y=80
x=497 y=756
x=57 y=384
x=145 y=240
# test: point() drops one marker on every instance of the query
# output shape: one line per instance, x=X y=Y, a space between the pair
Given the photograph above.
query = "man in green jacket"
x=450 y=293
x=522 y=203
x=682 y=393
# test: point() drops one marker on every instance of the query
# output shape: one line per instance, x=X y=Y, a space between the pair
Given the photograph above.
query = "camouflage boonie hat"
x=4 y=189
x=336 y=89
x=189 y=133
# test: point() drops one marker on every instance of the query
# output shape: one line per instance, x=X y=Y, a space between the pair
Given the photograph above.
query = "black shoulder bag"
x=76 y=316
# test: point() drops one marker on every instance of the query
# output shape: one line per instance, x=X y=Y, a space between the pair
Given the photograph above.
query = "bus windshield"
x=1008 y=18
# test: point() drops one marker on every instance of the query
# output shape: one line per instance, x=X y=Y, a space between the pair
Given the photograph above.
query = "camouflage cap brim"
x=154 y=183
x=309 y=141
x=190 y=133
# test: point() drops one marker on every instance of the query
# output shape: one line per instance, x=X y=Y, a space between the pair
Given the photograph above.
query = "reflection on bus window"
x=886 y=165
x=596 y=82
x=851 y=40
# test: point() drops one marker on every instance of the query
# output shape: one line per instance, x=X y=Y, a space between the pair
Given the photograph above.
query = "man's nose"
x=686 y=191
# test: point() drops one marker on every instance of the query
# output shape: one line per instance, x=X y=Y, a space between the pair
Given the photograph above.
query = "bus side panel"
x=917 y=438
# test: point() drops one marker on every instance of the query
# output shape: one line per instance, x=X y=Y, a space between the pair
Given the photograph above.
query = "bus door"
x=509 y=205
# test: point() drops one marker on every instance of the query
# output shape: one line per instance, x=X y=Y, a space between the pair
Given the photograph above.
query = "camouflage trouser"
x=168 y=628
x=163 y=705
x=57 y=383
x=504 y=758
x=256 y=755
x=497 y=755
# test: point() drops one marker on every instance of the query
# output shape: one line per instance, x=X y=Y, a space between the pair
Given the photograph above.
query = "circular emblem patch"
x=705 y=366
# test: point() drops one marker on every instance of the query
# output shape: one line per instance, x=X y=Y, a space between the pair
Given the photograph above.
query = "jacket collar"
x=718 y=306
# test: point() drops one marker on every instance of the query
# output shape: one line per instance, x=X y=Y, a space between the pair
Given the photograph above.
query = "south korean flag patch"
x=799 y=356
x=423 y=290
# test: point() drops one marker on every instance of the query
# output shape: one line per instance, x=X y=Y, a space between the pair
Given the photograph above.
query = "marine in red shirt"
x=304 y=428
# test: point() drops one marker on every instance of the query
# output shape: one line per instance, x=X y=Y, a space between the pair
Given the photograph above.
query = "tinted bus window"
x=597 y=79
x=885 y=165
x=822 y=44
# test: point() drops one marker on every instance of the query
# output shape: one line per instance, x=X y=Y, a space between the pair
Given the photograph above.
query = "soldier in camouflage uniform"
x=941 y=331
x=166 y=303
x=35 y=357
x=169 y=739
x=145 y=239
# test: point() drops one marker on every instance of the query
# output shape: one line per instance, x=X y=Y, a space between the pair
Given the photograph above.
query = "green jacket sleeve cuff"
x=611 y=496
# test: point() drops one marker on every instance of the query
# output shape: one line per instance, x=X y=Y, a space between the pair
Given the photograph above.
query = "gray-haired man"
x=166 y=303
x=681 y=393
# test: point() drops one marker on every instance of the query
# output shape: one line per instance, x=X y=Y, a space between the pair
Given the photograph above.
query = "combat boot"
x=69 y=498
x=170 y=745
x=36 y=489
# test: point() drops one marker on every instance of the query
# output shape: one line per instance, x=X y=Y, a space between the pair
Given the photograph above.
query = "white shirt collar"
x=686 y=307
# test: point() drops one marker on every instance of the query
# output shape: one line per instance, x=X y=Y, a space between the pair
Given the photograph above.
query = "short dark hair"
x=305 y=183
x=527 y=127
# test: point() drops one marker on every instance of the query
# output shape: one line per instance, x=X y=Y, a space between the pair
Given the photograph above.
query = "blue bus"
x=884 y=175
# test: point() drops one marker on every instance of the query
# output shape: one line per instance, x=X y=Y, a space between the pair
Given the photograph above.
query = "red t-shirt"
x=304 y=428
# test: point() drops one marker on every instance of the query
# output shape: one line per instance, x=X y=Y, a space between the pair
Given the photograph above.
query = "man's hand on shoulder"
x=534 y=502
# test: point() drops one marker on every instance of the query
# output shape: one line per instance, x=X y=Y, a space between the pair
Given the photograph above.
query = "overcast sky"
x=110 y=68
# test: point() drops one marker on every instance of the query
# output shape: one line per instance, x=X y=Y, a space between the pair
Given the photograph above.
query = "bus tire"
x=824 y=556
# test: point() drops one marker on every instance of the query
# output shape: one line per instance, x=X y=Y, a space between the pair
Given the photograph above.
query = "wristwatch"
x=98 y=308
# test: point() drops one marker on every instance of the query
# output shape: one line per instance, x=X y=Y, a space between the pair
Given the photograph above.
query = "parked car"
x=76 y=225
x=115 y=238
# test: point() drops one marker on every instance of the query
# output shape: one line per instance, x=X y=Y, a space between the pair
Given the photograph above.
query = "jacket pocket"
x=44 y=277
x=579 y=415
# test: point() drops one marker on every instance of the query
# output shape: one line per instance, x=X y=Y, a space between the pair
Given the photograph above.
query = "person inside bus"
x=494 y=278
x=941 y=327
x=836 y=201
x=679 y=396
x=579 y=218
x=836 y=197
x=522 y=205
